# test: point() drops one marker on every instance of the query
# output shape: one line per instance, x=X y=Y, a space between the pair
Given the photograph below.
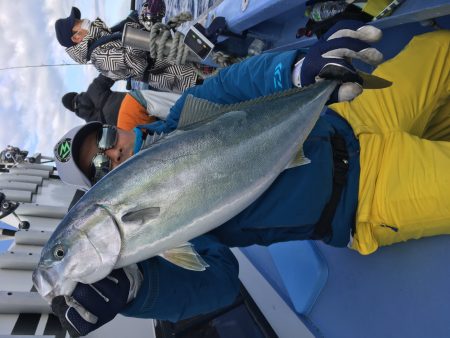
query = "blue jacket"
x=288 y=210
x=172 y=293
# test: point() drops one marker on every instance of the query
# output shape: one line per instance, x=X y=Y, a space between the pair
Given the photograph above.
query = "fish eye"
x=58 y=252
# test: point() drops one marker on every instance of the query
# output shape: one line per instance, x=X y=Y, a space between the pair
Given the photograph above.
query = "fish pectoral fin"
x=186 y=257
x=141 y=215
x=299 y=159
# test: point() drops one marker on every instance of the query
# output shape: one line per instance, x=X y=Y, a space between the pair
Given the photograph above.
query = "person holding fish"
x=354 y=183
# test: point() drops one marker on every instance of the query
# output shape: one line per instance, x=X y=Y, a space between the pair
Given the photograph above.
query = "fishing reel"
x=13 y=155
x=8 y=207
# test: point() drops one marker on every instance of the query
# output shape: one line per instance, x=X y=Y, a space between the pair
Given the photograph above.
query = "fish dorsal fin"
x=186 y=257
x=299 y=159
x=157 y=137
x=154 y=138
x=141 y=216
x=196 y=110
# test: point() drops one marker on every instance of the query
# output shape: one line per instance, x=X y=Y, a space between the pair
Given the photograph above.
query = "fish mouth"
x=43 y=282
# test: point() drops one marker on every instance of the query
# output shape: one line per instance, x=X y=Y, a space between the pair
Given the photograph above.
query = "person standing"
x=97 y=103
x=95 y=42
x=124 y=110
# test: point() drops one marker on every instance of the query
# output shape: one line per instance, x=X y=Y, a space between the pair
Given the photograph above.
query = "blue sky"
x=31 y=114
x=4 y=245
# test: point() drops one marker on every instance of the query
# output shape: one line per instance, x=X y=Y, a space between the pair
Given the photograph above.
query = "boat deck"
x=400 y=290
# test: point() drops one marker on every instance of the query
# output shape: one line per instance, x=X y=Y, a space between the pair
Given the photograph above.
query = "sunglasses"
x=100 y=163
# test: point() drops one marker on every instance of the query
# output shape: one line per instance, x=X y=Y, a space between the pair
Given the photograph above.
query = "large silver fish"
x=218 y=161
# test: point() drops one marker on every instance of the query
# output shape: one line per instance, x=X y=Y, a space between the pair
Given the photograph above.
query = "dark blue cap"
x=63 y=28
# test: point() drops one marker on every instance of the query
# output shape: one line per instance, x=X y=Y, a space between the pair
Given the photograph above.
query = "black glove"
x=93 y=305
x=330 y=58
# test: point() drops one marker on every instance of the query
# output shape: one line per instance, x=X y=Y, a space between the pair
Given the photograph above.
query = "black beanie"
x=68 y=100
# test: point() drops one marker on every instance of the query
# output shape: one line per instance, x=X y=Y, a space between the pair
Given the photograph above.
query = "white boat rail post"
x=32 y=237
x=8 y=177
x=17 y=260
x=41 y=210
x=14 y=302
x=36 y=166
x=26 y=236
x=30 y=171
x=17 y=195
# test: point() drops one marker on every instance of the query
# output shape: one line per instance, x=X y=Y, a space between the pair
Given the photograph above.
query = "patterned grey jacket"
x=118 y=62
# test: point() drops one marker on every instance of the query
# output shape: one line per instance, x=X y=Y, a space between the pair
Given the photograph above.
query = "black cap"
x=63 y=28
x=155 y=10
x=68 y=100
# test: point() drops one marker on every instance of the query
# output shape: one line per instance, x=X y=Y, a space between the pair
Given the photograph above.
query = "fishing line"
x=42 y=66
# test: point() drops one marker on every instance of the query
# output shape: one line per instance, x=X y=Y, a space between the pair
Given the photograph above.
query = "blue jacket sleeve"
x=172 y=293
x=256 y=76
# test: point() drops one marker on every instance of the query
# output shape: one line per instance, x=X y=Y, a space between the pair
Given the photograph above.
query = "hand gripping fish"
x=219 y=160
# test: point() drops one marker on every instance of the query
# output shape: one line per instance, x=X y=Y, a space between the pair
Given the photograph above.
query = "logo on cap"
x=62 y=150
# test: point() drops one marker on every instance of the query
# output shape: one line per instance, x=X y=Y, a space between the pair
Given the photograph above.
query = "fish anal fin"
x=185 y=257
x=299 y=159
x=141 y=216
